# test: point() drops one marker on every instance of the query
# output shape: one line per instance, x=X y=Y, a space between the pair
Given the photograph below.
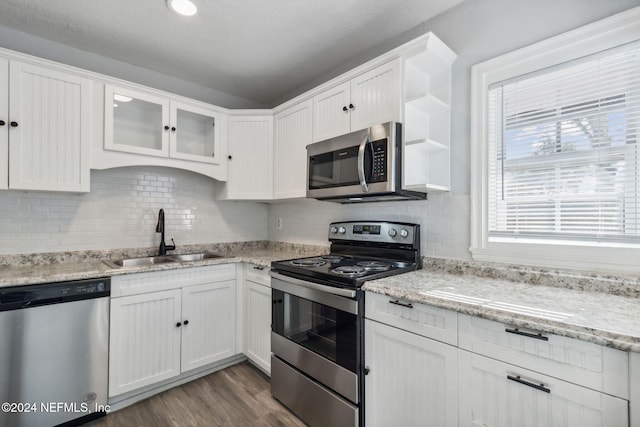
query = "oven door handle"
x=349 y=293
x=361 y=157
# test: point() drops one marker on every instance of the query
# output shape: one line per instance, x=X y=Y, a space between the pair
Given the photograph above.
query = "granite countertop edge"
x=22 y=275
x=615 y=328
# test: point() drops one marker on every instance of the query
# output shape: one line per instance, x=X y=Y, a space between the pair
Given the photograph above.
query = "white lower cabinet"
x=497 y=394
x=157 y=335
x=257 y=316
x=144 y=341
x=412 y=380
x=208 y=325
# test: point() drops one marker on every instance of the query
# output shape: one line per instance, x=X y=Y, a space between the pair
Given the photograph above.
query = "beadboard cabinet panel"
x=208 y=323
x=375 y=96
x=293 y=132
x=497 y=394
x=50 y=129
x=250 y=158
x=258 y=324
x=412 y=380
x=144 y=340
x=4 y=129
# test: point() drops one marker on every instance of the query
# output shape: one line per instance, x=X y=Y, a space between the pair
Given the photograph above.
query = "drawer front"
x=431 y=322
x=497 y=394
x=257 y=274
x=153 y=281
x=580 y=362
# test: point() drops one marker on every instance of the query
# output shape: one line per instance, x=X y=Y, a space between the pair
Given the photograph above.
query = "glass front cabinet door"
x=195 y=133
x=144 y=123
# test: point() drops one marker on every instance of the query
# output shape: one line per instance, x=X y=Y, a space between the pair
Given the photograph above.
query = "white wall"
x=121 y=212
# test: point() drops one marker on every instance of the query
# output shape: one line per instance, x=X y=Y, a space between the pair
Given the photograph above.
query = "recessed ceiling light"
x=183 y=7
x=121 y=98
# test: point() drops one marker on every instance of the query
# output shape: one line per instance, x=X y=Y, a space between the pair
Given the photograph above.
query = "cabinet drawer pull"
x=517 y=331
x=540 y=387
x=257 y=267
x=402 y=304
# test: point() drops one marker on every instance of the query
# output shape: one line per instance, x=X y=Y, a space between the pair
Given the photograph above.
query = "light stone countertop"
x=29 y=274
x=598 y=317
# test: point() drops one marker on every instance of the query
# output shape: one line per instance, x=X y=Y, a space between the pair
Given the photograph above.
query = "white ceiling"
x=256 y=49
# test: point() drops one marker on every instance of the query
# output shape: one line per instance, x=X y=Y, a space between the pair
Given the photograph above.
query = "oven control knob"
x=334 y=230
x=392 y=232
x=342 y=230
x=404 y=233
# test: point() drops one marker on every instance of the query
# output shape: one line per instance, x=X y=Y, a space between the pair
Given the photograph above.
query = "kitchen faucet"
x=160 y=229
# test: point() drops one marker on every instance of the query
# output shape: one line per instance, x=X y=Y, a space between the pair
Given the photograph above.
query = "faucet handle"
x=171 y=247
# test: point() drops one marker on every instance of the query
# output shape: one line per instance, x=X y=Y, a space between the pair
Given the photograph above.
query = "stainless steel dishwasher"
x=54 y=341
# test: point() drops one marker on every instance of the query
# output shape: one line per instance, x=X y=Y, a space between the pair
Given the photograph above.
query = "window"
x=556 y=134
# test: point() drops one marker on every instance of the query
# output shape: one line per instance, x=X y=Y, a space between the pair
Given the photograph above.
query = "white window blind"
x=563 y=151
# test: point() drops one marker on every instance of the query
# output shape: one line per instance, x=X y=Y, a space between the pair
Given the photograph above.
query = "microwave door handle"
x=363 y=179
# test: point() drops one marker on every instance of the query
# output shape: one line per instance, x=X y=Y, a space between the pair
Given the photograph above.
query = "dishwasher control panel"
x=27 y=296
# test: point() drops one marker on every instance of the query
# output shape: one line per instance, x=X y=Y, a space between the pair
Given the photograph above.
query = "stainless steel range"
x=317 y=318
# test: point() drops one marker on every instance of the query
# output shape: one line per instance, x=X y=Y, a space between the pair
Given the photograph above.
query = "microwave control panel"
x=379 y=172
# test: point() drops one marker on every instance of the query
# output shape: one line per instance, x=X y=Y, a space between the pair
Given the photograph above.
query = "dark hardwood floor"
x=236 y=396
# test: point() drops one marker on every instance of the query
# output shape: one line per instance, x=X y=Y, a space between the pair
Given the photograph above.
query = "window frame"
x=590 y=39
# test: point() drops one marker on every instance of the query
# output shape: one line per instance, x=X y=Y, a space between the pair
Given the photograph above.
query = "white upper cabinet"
x=292 y=135
x=195 y=133
x=149 y=124
x=44 y=141
x=367 y=99
x=250 y=158
x=4 y=124
x=135 y=122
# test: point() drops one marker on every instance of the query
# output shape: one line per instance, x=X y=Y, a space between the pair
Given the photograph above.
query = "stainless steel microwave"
x=362 y=166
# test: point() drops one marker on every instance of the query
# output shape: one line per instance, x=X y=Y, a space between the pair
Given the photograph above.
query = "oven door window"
x=327 y=331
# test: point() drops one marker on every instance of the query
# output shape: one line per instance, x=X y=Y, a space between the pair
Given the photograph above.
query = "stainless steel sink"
x=139 y=262
x=195 y=257
x=160 y=259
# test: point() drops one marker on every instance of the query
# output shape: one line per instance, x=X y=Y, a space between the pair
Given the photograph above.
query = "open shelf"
x=427 y=117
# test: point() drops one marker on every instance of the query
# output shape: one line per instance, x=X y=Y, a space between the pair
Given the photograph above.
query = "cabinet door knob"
x=173 y=129
x=2 y=123
x=166 y=128
x=14 y=124
x=186 y=322
x=351 y=106
x=229 y=157
x=345 y=109
x=366 y=370
x=178 y=324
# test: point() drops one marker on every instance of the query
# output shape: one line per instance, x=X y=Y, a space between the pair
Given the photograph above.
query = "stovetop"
x=343 y=269
x=360 y=251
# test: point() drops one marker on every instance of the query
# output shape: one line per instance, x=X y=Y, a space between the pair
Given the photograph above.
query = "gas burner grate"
x=374 y=265
x=349 y=270
x=308 y=262
x=332 y=258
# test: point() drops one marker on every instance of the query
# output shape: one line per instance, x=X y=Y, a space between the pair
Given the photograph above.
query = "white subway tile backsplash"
x=444 y=221
x=121 y=211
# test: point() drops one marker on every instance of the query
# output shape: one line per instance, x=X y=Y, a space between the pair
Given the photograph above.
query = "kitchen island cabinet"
x=166 y=323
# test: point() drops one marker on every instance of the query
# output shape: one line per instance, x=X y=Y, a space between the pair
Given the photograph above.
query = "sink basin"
x=160 y=259
x=139 y=262
x=194 y=257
